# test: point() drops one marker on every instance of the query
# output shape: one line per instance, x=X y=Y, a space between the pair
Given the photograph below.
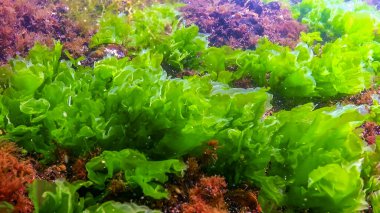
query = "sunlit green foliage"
x=337 y=18
x=312 y=164
x=63 y=197
x=59 y=196
x=112 y=206
x=137 y=170
x=119 y=104
x=337 y=68
x=158 y=29
x=146 y=120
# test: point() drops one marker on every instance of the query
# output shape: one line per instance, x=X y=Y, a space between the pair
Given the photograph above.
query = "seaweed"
x=207 y=196
x=240 y=24
x=114 y=136
x=15 y=175
x=26 y=22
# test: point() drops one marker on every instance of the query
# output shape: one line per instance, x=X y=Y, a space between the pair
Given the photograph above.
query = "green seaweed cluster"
x=146 y=120
x=339 y=56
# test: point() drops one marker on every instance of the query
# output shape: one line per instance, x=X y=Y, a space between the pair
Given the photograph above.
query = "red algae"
x=240 y=24
x=207 y=196
x=371 y=130
x=25 y=22
x=15 y=174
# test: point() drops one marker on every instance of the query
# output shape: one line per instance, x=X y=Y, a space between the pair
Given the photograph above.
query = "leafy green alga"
x=63 y=197
x=112 y=206
x=121 y=104
x=317 y=158
x=158 y=29
x=146 y=120
x=60 y=196
x=137 y=170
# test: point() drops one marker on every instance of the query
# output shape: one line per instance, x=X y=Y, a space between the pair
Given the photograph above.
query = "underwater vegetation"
x=156 y=114
x=240 y=24
x=23 y=23
x=15 y=174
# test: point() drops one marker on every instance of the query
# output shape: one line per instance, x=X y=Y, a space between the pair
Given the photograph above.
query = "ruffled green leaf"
x=33 y=106
x=112 y=206
x=138 y=171
x=60 y=196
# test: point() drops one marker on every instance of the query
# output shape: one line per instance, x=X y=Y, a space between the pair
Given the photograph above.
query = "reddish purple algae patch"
x=240 y=24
